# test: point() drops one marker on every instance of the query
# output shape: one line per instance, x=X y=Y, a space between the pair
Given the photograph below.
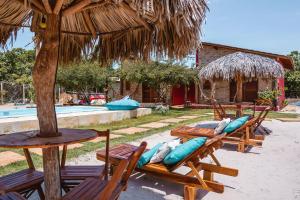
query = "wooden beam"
x=38 y=5
x=89 y=23
x=47 y=6
x=96 y=5
x=34 y=22
x=76 y=7
x=34 y=5
x=58 y=6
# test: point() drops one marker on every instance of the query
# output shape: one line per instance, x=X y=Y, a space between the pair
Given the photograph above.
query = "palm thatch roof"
x=119 y=28
x=242 y=64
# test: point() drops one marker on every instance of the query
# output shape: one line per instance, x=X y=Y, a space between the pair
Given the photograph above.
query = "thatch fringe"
x=245 y=64
x=123 y=27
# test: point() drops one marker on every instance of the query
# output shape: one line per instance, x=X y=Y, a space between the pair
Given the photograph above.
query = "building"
x=224 y=91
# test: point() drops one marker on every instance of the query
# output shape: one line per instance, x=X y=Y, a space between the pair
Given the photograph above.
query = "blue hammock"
x=123 y=104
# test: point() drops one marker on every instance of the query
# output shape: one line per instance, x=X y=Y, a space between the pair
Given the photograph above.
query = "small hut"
x=241 y=67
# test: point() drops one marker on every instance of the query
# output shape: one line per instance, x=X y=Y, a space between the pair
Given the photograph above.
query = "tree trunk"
x=239 y=89
x=44 y=77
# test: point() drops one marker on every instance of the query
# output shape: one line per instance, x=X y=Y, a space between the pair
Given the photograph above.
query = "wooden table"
x=31 y=139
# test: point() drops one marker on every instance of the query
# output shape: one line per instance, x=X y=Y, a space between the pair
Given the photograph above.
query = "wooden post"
x=44 y=77
x=239 y=88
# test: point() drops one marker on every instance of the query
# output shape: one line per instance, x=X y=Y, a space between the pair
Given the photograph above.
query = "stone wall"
x=208 y=54
x=264 y=84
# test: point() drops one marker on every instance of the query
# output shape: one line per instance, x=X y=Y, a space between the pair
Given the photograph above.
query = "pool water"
x=25 y=112
x=297 y=103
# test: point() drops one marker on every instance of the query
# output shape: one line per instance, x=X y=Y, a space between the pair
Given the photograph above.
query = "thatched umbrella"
x=65 y=29
x=241 y=66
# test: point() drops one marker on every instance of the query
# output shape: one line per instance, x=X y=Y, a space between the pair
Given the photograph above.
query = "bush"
x=162 y=109
x=269 y=94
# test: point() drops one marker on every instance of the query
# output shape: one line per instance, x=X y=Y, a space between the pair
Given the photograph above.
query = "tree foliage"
x=16 y=65
x=157 y=75
x=292 y=78
x=84 y=77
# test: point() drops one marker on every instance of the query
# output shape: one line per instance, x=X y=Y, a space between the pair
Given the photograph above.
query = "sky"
x=265 y=25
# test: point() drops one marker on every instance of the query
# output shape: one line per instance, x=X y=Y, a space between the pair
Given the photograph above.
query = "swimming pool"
x=25 y=112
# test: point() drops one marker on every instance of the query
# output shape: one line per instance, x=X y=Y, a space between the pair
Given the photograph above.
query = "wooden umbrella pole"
x=44 y=76
x=239 y=88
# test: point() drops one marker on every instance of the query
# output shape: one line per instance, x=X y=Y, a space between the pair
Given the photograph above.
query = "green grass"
x=90 y=147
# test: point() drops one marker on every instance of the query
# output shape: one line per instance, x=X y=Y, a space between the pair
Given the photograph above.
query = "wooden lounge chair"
x=97 y=189
x=261 y=117
x=24 y=182
x=220 y=111
x=242 y=137
x=72 y=176
x=191 y=180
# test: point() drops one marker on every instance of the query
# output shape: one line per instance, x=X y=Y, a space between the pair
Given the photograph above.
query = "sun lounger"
x=242 y=137
x=220 y=111
x=192 y=180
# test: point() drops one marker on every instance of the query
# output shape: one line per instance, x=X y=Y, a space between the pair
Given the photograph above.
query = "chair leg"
x=41 y=192
x=207 y=175
x=241 y=147
x=189 y=193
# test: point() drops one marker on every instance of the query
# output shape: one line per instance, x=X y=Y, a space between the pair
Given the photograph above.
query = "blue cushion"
x=235 y=124
x=123 y=104
x=146 y=157
x=183 y=150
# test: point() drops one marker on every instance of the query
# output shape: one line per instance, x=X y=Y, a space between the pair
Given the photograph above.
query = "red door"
x=178 y=95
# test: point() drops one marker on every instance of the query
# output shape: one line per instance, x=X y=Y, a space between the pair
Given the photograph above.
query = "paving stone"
x=37 y=151
x=154 y=125
x=131 y=130
x=100 y=139
x=289 y=119
x=8 y=157
x=188 y=117
x=171 y=120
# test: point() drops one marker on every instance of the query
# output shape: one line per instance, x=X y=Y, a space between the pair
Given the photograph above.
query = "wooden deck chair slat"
x=98 y=189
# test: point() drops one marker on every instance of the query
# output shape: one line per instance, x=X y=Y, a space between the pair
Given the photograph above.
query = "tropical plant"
x=158 y=75
x=16 y=65
x=84 y=77
x=269 y=94
x=292 y=78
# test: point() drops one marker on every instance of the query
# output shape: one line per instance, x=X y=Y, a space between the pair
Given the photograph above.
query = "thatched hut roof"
x=120 y=28
x=245 y=64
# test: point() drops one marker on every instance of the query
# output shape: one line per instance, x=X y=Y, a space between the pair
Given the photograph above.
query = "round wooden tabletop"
x=30 y=139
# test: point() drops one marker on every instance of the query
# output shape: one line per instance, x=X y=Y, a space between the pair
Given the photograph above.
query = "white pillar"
x=1 y=91
x=23 y=93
